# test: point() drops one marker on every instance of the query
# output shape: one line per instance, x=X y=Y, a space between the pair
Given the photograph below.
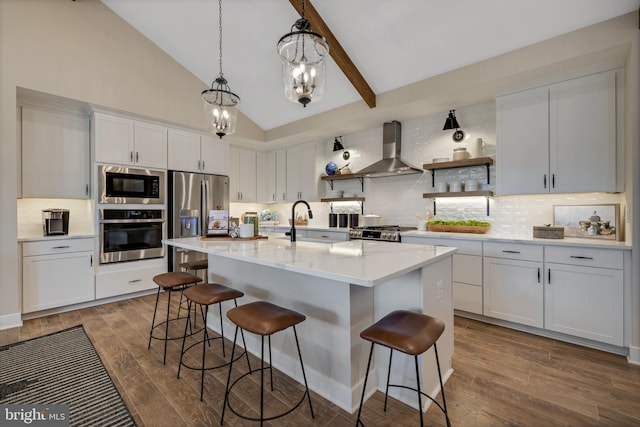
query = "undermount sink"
x=304 y=239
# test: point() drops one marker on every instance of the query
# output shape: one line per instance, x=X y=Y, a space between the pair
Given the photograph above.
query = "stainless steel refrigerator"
x=191 y=197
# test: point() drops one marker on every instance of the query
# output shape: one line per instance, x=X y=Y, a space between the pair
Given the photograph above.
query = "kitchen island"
x=341 y=288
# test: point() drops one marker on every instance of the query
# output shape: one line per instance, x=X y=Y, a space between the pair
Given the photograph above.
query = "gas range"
x=385 y=233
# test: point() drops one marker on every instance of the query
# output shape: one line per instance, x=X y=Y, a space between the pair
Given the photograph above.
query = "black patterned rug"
x=62 y=368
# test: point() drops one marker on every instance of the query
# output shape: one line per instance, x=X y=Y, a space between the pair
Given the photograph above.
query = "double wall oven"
x=132 y=215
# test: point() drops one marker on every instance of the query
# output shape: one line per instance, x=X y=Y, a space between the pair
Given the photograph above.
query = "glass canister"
x=251 y=218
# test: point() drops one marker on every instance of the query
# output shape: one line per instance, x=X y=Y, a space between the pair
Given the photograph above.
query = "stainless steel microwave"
x=122 y=184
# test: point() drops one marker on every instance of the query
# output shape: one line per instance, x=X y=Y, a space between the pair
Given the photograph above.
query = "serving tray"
x=475 y=229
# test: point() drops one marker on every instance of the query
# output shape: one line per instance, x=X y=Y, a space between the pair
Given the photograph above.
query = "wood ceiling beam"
x=336 y=51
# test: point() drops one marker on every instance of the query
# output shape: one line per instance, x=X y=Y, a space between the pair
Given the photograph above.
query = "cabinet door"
x=262 y=185
x=50 y=281
x=183 y=151
x=522 y=142
x=150 y=143
x=301 y=176
x=272 y=171
x=214 y=153
x=281 y=175
x=113 y=139
x=513 y=291
x=585 y=301
x=55 y=154
x=242 y=176
x=583 y=134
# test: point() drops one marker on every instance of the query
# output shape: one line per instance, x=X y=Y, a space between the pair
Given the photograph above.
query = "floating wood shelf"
x=332 y=178
x=433 y=196
x=479 y=161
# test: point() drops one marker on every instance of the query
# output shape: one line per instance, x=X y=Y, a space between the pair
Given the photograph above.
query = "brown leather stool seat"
x=264 y=319
x=170 y=282
x=195 y=265
x=205 y=295
x=410 y=333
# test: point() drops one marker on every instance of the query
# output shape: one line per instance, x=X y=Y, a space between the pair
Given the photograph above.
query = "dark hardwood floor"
x=502 y=378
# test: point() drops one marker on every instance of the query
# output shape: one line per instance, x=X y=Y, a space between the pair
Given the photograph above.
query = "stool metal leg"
x=205 y=339
x=262 y=378
x=221 y=327
x=304 y=376
x=386 y=392
x=270 y=365
x=184 y=337
x=153 y=321
x=226 y=391
x=166 y=329
x=364 y=388
x=444 y=401
x=419 y=393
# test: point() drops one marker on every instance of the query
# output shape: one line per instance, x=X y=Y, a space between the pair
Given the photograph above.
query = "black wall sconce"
x=337 y=146
x=452 y=123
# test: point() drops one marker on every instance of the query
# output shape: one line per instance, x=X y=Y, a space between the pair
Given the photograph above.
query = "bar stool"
x=204 y=295
x=169 y=282
x=264 y=319
x=196 y=267
x=410 y=333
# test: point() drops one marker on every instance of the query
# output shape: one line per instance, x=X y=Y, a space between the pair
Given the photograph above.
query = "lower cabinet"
x=467 y=270
x=133 y=279
x=328 y=236
x=56 y=273
x=584 y=293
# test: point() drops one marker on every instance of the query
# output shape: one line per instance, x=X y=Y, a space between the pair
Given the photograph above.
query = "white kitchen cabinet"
x=277 y=176
x=124 y=141
x=242 y=174
x=192 y=152
x=55 y=154
x=127 y=280
x=467 y=270
x=302 y=180
x=56 y=273
x=327 y=236
x=262 y=177
x=513 y=287
x=584 y=293
x=559 y=138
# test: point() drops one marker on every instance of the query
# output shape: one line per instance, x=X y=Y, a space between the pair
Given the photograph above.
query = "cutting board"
x=227 y=238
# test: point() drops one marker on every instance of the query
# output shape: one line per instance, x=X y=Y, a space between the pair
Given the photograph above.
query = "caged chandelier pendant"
x=303 y=55
x=220 y=104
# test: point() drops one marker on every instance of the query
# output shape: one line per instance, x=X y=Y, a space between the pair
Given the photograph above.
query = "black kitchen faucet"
x=292 y=233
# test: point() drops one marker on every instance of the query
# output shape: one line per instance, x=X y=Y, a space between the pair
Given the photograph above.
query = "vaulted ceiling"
x=391 y=43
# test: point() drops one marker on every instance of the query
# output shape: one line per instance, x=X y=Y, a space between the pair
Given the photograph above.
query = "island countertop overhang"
x=358 y=262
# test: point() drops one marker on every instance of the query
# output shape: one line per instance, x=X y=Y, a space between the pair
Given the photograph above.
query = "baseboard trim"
x=10 y=321
x=634 y=355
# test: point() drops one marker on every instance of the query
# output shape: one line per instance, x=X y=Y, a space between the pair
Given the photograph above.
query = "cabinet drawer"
x=465 y=247
x=467 y=297
x=58 y=246
x=467 y=269
x=513 y=251
x=128 y=281
x=592 y=257
x=327 y=235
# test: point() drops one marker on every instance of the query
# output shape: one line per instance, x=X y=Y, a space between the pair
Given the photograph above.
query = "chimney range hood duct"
x=391 y=164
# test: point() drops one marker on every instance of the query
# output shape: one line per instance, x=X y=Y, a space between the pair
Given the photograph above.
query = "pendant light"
x=303 y=54
x=220 y=104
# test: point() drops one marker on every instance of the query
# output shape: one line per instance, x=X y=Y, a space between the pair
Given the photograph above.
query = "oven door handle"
x=130 y=221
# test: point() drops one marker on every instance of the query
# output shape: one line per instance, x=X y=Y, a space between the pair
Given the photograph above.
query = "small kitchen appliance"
x=383 y=233
x=55 y=221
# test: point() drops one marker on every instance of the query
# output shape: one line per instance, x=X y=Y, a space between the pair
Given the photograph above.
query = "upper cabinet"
x=192 y=152
x=55 y=154
x=560 y=138
x=302 y=180
x=276 y=176
x=242 y=175
x=124 y=141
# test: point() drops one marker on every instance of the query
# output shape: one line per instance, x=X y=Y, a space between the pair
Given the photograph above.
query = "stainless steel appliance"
x=122 y=184
x=131 y=234
x=386 y=233
x=55 y=221
x=191 y=197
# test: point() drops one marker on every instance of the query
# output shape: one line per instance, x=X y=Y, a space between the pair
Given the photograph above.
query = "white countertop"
x=567 y=241
x=364 y=263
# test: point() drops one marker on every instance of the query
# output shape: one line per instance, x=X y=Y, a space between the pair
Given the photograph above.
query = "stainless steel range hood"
x=391 y=163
